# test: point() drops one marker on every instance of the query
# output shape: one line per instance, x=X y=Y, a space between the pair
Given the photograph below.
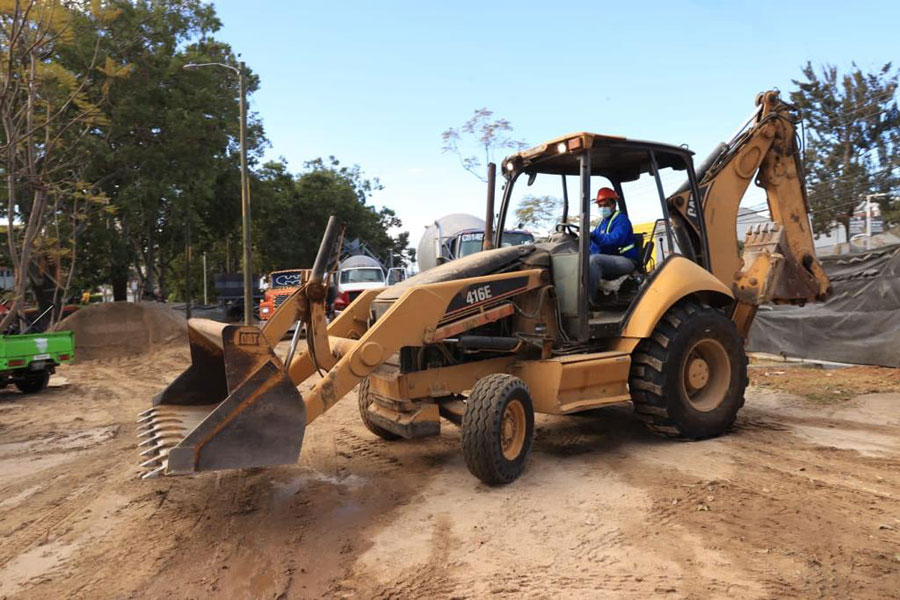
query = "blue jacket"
x=614 y=236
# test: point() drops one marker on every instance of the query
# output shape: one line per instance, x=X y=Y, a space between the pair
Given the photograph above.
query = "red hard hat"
x=606 y=193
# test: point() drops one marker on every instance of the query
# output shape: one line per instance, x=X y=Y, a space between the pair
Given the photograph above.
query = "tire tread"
x=647 y=378
x=481 y=429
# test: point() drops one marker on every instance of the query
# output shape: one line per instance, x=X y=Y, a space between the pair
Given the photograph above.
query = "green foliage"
x=169 y=155
x=52 y=101
x=539 y=212
x=853 y=140
x=147 y=150
x=291 y=213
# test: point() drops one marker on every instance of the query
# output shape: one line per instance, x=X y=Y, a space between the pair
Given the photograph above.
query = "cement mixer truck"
x=457 y=235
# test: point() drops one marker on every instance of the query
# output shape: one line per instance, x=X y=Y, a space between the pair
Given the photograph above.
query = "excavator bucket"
x=233 y=407
x=773 y=273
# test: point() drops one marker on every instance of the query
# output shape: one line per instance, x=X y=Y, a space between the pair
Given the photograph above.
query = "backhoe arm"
x=778 y=262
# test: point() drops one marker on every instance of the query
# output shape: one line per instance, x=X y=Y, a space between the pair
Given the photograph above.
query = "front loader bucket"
x=233 y=407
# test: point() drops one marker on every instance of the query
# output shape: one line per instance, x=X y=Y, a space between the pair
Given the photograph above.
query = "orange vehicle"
x=281 y=285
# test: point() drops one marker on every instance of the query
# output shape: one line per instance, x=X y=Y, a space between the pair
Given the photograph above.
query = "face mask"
x=606 y=212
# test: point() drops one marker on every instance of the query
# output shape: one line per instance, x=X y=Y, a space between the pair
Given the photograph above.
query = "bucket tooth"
x=154 y=473
x=157 y=431
x=171 y=423
x=162 y=441
x=152 y=462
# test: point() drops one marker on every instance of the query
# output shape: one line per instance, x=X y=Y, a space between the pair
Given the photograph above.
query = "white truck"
x=356 y=274
x=457 y=235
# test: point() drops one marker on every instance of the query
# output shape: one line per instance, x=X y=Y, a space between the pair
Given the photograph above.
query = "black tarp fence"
x=858 y=324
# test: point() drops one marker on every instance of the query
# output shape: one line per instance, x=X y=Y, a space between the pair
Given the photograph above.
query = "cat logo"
x=248 y=338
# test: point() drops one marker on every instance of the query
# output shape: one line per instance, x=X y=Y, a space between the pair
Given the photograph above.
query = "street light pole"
x=245 y=203
x=189 y=259
x=245 y=185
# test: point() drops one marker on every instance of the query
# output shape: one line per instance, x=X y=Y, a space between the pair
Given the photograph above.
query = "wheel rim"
x=512 y=430
x=706 y=375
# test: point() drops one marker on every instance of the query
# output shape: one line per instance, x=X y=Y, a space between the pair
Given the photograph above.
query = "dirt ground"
x=802 y=500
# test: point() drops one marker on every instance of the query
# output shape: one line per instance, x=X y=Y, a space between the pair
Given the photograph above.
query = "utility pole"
x=245 y=204
x=245 y=184
x=187 y=267
x=868 y=219
x=205 y=301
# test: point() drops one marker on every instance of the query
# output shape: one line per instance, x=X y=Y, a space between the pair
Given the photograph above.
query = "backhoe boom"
x=778 y=263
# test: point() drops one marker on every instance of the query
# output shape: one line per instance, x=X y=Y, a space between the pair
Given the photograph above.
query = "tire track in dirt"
x=603 y=509
x=790 y=495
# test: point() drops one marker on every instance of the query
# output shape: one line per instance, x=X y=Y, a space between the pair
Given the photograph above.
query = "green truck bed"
x=28 y=360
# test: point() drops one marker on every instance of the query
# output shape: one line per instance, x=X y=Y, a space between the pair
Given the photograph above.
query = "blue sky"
x=375 y=83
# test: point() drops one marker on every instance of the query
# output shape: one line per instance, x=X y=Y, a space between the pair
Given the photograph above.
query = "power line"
x=854 y=202
x=890 y=167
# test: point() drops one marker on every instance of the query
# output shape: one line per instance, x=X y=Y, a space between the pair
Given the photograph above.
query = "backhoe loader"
x=489 y=339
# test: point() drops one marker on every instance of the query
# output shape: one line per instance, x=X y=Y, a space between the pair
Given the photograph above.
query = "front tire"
x=365 y=399
x=498 y=428
x=688 y=378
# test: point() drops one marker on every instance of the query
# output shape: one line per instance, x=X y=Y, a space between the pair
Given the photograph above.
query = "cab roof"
x=613 y=157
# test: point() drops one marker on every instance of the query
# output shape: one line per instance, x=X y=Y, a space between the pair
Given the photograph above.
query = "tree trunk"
x=31 y=230
x=120 y=286
x=44 y=288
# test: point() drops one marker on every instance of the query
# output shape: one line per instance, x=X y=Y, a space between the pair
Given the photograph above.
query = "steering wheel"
x=568 y=228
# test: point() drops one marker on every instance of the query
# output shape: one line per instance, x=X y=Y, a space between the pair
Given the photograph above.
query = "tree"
x=52 y=86
x=539 y=212
x=485 y=133
x=292 y=211
x=853 y=140
x=170 y=152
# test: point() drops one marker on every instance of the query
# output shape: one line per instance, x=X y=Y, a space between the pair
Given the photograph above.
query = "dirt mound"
x=114 y=329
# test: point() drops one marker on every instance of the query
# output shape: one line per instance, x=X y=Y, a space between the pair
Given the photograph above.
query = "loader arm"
x=778 y=263
x=410 y=321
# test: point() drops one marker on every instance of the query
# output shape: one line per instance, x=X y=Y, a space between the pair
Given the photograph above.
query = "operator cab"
x=656 y=188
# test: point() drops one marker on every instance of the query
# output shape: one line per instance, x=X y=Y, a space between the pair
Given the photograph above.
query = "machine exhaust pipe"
x=488 y=241
x=326 y=251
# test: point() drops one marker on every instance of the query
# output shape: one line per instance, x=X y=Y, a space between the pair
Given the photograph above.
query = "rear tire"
x=33 y=383
x=688 y=378
x=365 y=400
x=498 y=428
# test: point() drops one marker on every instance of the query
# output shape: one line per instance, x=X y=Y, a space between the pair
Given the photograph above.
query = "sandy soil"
x=802 y=500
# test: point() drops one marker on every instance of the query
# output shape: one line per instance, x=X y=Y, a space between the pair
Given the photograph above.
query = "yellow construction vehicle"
x=487 y=340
